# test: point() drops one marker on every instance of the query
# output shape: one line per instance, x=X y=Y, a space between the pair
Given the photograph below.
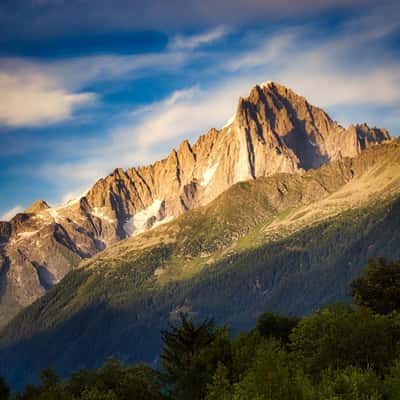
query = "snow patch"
x=137 y=223
x=230 y=121
x=208 y=174
x=99 y=213
x=312 y=143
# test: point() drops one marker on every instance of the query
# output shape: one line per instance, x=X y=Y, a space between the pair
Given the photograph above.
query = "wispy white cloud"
x=378 y=87
x=269 y=50
x=7 y=215
x=184 y=114
x=193 y=41
x=36 y=92
x=34 y=99
x=77 y=72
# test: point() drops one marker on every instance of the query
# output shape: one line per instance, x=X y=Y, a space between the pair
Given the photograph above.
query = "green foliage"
x=272 y=376
x=392 y=381
x=112 y=381
x=220 y=388
x=277 y=326
x=379 y=289
x=244 y=348
x=338 y=336
x=96 y=394
x=136 y=381
x=350 y=384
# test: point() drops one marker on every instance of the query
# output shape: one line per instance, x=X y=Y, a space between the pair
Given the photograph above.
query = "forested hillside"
x=339 y=352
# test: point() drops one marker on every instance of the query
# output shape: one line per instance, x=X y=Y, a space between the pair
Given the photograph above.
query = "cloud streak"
x=194 y=41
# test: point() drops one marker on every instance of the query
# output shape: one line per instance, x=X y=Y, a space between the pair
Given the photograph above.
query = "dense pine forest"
x=343 y=351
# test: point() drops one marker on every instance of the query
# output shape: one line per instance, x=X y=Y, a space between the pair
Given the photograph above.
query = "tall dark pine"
x=179 y=357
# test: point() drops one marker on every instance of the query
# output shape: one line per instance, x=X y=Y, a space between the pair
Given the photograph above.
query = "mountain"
x=288 y=243
x=273 y=131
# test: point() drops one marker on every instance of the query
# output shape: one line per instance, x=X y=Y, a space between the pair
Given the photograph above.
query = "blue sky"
x=88 y=86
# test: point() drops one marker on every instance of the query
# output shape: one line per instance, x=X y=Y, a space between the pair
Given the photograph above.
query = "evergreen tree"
x=190 y=355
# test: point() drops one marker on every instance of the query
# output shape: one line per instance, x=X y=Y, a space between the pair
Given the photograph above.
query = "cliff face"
x=273 y=130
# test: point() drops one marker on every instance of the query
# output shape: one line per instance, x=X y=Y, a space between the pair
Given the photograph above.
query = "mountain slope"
x=287 y=243
x=273 y=131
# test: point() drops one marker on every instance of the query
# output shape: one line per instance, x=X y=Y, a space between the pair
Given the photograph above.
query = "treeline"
x=340 y=352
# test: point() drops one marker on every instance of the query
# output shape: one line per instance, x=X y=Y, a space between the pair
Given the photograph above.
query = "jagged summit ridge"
x=273 y=130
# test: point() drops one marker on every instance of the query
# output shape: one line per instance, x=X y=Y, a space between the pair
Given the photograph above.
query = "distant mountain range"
x=278 y=211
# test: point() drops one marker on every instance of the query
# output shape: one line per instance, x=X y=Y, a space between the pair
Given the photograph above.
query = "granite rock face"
x=273 y=130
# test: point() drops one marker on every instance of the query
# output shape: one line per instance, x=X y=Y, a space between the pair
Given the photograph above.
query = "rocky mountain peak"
x=37 y=206
x=275 y=115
